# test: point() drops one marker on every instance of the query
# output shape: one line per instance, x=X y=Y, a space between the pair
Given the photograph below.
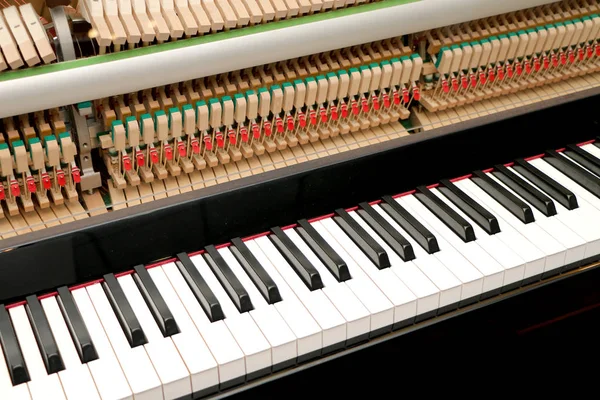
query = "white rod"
x=39 y=92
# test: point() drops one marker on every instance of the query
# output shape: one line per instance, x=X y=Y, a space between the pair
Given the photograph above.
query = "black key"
x=155 y=302
x=43 y=335
x=557 y=191
x=123 y=311
x=229 y=281
x=12 y=350
x=366 y=243
x=531 y=194
x=305 y=270
x=584 y=158
x=447 y=215
x=485 y=219
x=323 y=250
x=508 y=200
x=415 y=229
x=584 y=178
x=79 y=333
x=255 y=271
x=391 y=236
x=201 y=290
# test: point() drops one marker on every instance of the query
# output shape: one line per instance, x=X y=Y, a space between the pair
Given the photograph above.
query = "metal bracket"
x=90 y=179
x=65 y=48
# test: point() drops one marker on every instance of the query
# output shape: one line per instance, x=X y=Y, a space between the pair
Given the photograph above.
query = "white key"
x=308 y=333
x=537 y=258
x=280 y=337
x=427 y=294
x=395 y=290
x=19 y=392
x=574 y=244
x=420 y=267
x=472 y=254
x=578 y=220
x=76 y=379
x=192 y=348
x=579 y=191
x=135 y=363
x=222 y=345
x=448 y=285
x=381 y=309
x=41 y=385
x=592 y=149
x=357 y=317
x=106 y=371
x=256 y=348
x=163 y=355
x=318 y=305
x=589 y=206
x=513 y=264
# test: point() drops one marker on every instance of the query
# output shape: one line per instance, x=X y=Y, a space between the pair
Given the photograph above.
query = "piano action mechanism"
x=143 y=110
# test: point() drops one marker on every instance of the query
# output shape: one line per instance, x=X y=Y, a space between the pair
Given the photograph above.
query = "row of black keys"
x=300 y=263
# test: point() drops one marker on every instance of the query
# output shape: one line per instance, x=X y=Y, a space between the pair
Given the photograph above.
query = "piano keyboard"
x=204 y=322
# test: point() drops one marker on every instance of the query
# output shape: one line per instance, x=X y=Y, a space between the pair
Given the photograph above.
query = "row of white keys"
x=537 y=257
x=190 y=345
x=474 y=261
x=163 y=355
x=216 y=335
x=41 y=385
x=403 y=300
x=358 y=321
x=19 y=392
x=586 y=200
x=137 y=367
x=380 y=307
x=308 y=333
x=426 y=293
x=106 y=371
x=256 y=348
x=448 y=285
x=76 y=378
x=276 y=331
x=333 y=325
x=578 y=220
x=554 y=250
x=574 y=243
x=513 y=264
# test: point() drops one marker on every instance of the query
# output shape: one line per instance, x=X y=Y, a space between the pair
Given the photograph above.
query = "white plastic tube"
x=39 y=92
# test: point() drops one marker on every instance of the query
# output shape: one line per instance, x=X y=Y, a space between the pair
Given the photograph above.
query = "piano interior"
x=212 y=198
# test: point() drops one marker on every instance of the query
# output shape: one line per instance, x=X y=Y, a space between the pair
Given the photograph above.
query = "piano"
x=211 y=199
